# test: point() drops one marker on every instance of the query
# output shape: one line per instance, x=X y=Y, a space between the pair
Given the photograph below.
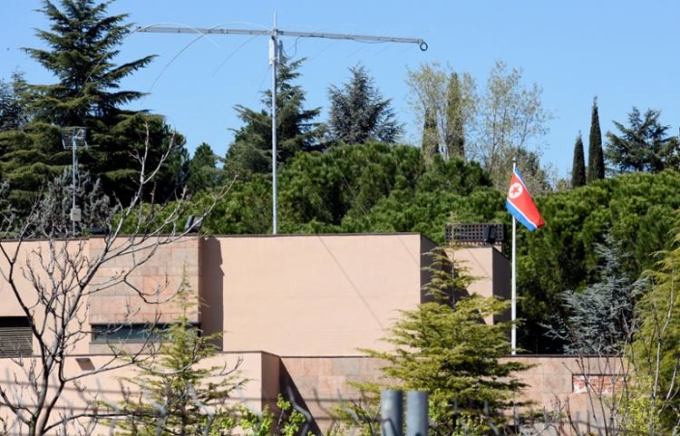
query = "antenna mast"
x=274 y=58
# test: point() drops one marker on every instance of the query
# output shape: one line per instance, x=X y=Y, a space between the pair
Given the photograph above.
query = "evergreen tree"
x=455 y=127
x=176 y=393
x=359 y=114
x=203 y=173
x=113 y=156
x=250 y=153
x=82 y=44
x=374 y=187
x=29 y=159
x=640 y=211
x=643 y=145
x=13 y=110
x=430 y=144
x=445 y=347
x=600 y=317
x=595 y=152
x=578 y=168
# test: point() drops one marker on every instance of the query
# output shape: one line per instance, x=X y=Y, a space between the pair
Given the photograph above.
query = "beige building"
x=295 y=310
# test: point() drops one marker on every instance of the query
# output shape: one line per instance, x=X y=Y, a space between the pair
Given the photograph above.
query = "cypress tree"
x=455 y=129
x=595 y=152
x=578 y=169
x=430 y=143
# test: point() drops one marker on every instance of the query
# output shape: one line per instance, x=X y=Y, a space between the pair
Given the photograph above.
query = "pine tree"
x=176 y=394
x=578 y=168
x=202 y=169
x=359 y=114
x=600 y=317
x=643 y=145
x=82 y=44
x=595 y=151
x=445 y=347
x=455 y=133
x=13 y=110
x=250 y=153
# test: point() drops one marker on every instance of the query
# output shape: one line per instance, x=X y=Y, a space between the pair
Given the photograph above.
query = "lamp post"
x=76 y=134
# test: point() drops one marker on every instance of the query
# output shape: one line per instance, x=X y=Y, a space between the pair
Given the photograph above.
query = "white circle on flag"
x=515 y=190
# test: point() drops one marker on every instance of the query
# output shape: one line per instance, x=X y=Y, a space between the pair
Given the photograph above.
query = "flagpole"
x=513 y=287
x=513 y=283
x=523 y=209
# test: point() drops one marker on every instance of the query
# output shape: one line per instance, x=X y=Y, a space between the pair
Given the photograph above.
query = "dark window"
x=128 y=332
x=16 y=338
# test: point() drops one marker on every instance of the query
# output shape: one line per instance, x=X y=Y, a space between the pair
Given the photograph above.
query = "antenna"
x=275 y=47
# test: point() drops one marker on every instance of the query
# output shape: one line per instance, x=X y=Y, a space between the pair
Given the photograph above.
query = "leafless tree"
x=48 y=274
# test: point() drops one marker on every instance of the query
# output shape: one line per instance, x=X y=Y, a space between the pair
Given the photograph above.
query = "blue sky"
x=624 y=52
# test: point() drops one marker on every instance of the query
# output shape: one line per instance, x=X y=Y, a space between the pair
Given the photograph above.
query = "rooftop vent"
x=476 y=234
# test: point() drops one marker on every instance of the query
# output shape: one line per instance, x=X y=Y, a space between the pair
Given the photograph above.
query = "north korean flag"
x=520 y=204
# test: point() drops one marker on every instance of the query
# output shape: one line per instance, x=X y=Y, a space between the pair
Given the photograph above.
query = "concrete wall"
x=491 y=270
x=489 y=266
x=554 y=384
x=312 y=295
x=107 y=387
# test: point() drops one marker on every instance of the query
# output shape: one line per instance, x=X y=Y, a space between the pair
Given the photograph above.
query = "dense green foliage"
x=359 y=113
x=595 y=151
x=115 y=152
x=202 y=171
x=578 y=168
x=637 y=209
x=361 y=188
x=29 y=159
